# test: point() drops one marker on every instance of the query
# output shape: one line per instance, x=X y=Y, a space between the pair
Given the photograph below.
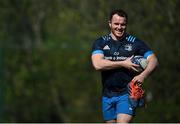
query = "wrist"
x=121 y=63
x=144 y=74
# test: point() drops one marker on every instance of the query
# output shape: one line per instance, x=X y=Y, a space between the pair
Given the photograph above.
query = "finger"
x=135 y=65
x=134 y=80
x=139 y=84
x=134 y=69
x=131 y=56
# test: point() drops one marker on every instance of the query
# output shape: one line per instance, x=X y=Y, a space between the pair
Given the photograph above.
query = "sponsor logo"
x=116 y=53
x=106 y=48
x=117 y=58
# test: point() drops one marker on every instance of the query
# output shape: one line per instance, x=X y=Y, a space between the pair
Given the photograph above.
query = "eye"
x=124 y=24
x=116 y=23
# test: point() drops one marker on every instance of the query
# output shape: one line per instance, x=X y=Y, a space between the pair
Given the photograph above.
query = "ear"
x=109 y=23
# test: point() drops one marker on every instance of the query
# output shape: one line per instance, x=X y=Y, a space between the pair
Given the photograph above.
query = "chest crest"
x=128 y=47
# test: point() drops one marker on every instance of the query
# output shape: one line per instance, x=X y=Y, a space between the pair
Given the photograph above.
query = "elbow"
x=157 y=62
x=97 y=67
x=154 y=60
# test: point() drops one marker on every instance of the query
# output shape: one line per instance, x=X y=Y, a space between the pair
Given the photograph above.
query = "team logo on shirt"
x=128 y=47
x=106 y=48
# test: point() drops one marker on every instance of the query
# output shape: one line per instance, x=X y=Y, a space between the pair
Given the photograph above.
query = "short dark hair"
x=119 y=12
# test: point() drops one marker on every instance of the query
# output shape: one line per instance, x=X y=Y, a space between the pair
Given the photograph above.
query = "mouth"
x=119 y=31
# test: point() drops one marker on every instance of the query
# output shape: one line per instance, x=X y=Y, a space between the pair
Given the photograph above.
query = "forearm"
x=104 y=64
x=153 y=62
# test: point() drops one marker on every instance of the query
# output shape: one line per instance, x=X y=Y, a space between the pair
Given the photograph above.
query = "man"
x=112 y=55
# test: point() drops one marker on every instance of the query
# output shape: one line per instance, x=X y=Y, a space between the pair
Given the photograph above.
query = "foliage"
x=46 y=72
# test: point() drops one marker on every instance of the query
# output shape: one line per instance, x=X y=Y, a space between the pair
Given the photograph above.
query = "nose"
x=119 y=26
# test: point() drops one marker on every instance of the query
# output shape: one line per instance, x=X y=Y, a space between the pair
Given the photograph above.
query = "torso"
x=117 y=51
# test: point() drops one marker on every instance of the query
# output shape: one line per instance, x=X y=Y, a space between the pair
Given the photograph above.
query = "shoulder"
x=100 y=43
x=133 y=39
x=103 y=39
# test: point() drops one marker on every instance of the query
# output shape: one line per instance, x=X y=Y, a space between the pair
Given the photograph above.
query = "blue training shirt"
x=115 y=80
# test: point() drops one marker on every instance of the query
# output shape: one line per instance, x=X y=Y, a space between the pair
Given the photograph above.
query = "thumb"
x=131 y=56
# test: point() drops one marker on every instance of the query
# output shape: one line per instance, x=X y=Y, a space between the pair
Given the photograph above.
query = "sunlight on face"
x=117 y=26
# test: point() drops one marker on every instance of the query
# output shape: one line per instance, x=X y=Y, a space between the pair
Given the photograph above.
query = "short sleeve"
x=143 y=49
x=97 y=47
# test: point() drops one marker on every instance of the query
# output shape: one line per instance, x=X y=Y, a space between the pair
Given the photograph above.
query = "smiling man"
x=111 y=54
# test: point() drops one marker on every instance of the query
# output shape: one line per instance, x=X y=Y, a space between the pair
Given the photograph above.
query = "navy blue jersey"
x=116 y=80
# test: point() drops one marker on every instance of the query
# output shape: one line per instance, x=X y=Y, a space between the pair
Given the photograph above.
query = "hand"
x=139 y=79
x=129 y=65
x=135 y=91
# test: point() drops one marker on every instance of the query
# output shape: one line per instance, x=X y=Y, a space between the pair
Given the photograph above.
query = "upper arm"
x=152 y=57
x=96 y=58
x=152 y=61
x=97 y=51
x=144 y=50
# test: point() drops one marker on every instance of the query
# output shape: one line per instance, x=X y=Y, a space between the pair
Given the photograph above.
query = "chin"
x=119 y=35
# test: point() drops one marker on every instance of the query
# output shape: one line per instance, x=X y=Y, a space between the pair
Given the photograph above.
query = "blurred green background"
x=45 y=67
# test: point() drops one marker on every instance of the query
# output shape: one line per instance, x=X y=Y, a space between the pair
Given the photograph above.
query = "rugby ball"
x=141 y=61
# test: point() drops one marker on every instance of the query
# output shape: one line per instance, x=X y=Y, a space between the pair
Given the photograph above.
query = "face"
x=118 y=26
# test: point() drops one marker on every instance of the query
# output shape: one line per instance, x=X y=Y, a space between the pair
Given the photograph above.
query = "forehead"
x=117 y=18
